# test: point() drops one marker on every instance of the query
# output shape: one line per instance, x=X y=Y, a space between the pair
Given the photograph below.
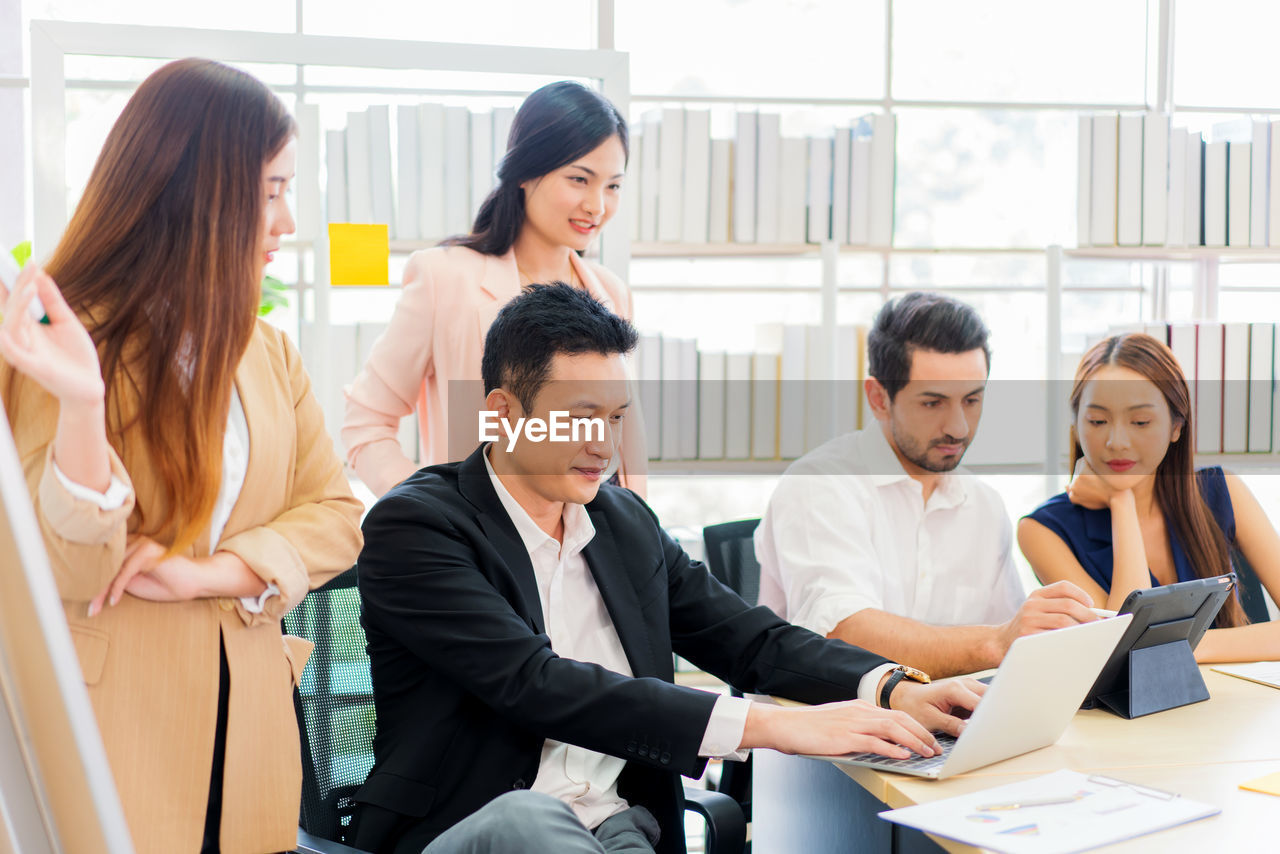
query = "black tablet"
x=1182 y=611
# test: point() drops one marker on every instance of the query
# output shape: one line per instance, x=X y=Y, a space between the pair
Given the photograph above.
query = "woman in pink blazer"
x=558 y=184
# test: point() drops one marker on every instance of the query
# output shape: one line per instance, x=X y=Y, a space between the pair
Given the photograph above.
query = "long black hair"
x=555 y=126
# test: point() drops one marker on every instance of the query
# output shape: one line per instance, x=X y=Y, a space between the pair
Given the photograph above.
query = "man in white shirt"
x=877 y=538
x=521 y=617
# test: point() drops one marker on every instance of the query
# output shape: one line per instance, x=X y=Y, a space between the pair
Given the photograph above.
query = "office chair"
x=731 y=557
x=336 y=724
x=1252 y=599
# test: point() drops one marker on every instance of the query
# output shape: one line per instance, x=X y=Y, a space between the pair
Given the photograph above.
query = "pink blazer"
x=451 y=296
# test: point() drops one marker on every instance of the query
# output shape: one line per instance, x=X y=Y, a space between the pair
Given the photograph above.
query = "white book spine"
x=457 y=170
x=634 y=199
x=1182 y=341
x=695 y=218
x=860 y=192
x=1194 y=231
x=481 y=158
x=380 y=165
x=721 y=191
x=672 y=414
x=744 y=179
x=1177 y=235
x=1155 y=178
x=820 y=163
x=359 y=173
x=1102 y=194
x=883 y=178
x=764 y=406
x=1209 y=388
x=819 y=388
x=503 y=118
x=768 y=179
x=841 y=154
x=335 y=165
x=671 y=170
x=309 y=202
x=431 y=171
x=1260 y=184
x=1084 y=178
x=650 y=177
x=649 y=375
x=791 y=400
x=1235 y=388
x=1129 y=182
x=1215 y=194
x=1273 y=185
x=711 y=405
x=737 y=406
x=1261 y=383
x=408 y=174
x=848 y=383
x=688 y=399
x=792 y=171
x=1239 y=184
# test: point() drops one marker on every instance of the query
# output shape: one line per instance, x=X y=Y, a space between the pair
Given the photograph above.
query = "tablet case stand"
x=1162 y=674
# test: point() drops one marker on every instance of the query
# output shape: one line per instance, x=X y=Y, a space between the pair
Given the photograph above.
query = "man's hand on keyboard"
x=855 y=726
x=933 y=704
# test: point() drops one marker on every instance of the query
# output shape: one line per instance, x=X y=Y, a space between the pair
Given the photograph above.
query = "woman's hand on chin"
x=1094 y=491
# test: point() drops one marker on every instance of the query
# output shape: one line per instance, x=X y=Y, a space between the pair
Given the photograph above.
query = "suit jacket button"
x=518 y=784
x=653 y=754
x=631 y=747
x=665 y=758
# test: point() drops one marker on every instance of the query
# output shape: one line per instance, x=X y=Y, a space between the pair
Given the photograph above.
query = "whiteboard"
x=57 y=795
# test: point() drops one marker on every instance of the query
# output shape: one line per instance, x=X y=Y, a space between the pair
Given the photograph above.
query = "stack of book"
x=1144 y=183
x=1231 y=370
x=444 y=166
x=776 y=402
x=684 y=186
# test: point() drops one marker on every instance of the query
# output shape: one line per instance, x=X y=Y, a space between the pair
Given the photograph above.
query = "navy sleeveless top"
x=1088 y=532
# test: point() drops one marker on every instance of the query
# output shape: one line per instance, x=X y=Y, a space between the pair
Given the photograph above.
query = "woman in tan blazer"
x=185 y=487
x=558 y=185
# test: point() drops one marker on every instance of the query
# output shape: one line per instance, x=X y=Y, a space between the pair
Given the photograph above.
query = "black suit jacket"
x=467 y=686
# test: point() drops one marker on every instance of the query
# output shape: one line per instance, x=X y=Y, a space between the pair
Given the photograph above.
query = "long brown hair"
x=1177 y=491
x=160 y=260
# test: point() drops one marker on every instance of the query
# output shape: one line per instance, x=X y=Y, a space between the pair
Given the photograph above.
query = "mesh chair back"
x=335 y=706
x=1250 y=587
x=731 y=556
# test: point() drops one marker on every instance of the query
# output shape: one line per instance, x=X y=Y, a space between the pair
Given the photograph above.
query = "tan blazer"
x=451 y=296
x=152 y=668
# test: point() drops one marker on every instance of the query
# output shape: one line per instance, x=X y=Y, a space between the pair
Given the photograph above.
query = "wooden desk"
x=1202 y=751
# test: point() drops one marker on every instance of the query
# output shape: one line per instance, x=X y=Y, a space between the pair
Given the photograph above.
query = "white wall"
x=12 y=128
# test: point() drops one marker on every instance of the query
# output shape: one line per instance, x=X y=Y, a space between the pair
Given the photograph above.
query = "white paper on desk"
x=1105 y=814
x=1262 y=672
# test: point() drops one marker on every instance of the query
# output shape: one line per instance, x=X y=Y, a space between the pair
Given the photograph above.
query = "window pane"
x=1224 y=53
x=275 y=16
x=547 y=23
x=754 y=48
x=1090 y=51
x=985 y=178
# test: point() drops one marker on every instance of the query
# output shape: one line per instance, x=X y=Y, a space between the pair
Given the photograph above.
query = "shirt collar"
x=884 y=468
x=578 y=530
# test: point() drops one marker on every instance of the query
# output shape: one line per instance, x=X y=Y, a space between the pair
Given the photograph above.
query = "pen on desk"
x=1030 y=802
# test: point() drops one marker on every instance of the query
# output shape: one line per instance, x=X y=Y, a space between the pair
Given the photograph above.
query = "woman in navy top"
x=1137 y=514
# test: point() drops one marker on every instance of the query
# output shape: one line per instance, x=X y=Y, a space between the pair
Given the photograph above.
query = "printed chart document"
x=1058 y=813
x=1262 y=672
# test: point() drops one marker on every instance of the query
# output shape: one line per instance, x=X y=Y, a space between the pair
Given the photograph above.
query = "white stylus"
x=9 y=271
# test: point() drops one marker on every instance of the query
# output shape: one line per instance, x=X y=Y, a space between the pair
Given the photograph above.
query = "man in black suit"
x=521 y=617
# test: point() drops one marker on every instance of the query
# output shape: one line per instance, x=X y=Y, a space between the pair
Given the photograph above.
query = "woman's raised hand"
x=59 y=355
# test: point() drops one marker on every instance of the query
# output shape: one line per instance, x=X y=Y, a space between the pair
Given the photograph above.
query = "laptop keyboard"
x=914 y=762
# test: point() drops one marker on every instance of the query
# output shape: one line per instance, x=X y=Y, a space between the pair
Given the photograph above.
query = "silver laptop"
x=1031 y=699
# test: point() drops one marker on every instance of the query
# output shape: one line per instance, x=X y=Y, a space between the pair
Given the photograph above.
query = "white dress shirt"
x=848 y=529
x=579 y=626
x=235 y=463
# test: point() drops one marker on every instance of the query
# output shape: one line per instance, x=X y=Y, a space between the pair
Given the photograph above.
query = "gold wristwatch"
x=897 y=675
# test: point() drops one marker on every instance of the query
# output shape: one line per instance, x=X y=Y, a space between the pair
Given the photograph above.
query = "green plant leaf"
x=22 y=252
x=274 y=295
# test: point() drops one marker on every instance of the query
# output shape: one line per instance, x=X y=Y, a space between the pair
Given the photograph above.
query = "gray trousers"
x=521 y=822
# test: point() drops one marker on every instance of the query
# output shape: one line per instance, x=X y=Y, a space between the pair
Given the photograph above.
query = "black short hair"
x=921 y=321
x=543 y=321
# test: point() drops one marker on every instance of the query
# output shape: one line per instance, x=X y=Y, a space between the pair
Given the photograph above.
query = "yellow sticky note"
x=359 y=254
x=1268 y=785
